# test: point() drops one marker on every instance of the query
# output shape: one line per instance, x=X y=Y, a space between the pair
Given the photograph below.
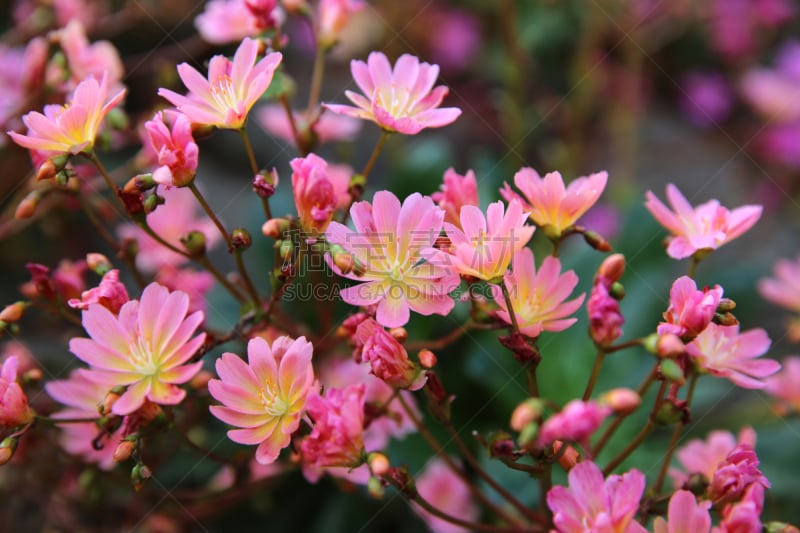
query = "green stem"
x=693 y=262
x=598 y=363
x=676 y=435
x=373 y=158
x=211 y=214
x=316 y=79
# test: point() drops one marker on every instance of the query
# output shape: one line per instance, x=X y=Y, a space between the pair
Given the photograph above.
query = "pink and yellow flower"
x=685 y=515
x=401 y=100
x=705 y=227
x=387 y=357
x=457 y=191
x=14 y=410
x=549 y=203
x=146 y=348
x=266 y=396
x=175 y=148
x=484 y=245
x=538 y=298
x=690 y=310
x=337 y=439
x=225 y=98
x=71 y=128
x=390 y=243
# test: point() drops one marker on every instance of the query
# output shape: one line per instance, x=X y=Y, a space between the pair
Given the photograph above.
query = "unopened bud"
x=357 y=182
x=117 y=119
x=264 y=183
x=98 y=263
x=567 y=458
x=345 y=262
x=378 y=463
x=139 y=184
x=7 y=449
x=375 y=488
x=780 y=527
x=596 y=241
x=427 y=359
x=435 y=386
x=725 y=319
x=34 y=375
x=195 y=243
x=726 y=305
x=501 y=444
x=669 y=345
x=13 y=312
x=124 y=450
x=108 y=402
x=139 y=475
x=668 y=413
x=27 y=207
x=672 y=371
x=241 y=239
x=525 y=413
x=152 y=202
x=275 y=228
x=399 y=334
x=200 y=380
x=612 y=267
x=286 y=250
x=650 y=343
x=617 y=291
x=47 y=171
x=621 y=400
x=697 y=484
x=527 y=437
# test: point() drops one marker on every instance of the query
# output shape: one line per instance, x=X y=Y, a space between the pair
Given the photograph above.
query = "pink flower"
x=14 y=410
x=785 y=385
x=457 y=191
x=328 y=128
x=784 y=288
x=110 y=293
x=745 y=515
x=65 y=282
x=735 y=474
x=703 y=457
x=232 y=88
x=229 y=21
x=538 y=297
x=484 y=245
x=72 y=128
x=685 y=515
x=442 y=488
x=337 y=438
x=82 y=395
x=594 y=504
x=390 y=243
x=398 y=100
x=726 y=353
x=314 y=193
x=705 y=227
x=266 y=396
x=195 y=283
x=176 y=149
x=146 y=348
x=87 y=60
x=387 y=357
x=332 y=15
x=605 y=316
x=550 y=204
x=707 y=98
x=575 y=422
x=690 y=310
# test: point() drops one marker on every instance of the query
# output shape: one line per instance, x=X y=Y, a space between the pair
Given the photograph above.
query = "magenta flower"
x=703 y=456
x=177 y=152
x=387 y=357
x=575 y=422
x=685 y=515
x=605 y=316
x=538 y=297
x=146 y=348
x=457 y=191
x=592 y=503
x=232 y=88
x=784 y=288
x=314 y=191
x=71 y=128
x=735 y=475
x=390 y=243
x=14 y=410
x=401 y=100
x=785 y=385
x=443 y=489
x=705 y=227
x=266 y=396
x=110 y=293
x=337 y=438
x=549 y=203
x=690 y=310
x=724 y=352
x=483 y=246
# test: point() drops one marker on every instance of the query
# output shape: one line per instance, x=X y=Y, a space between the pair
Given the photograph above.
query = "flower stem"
x=676 y=435
x=211 y=214
x=107 y=177
x=598 y=363
x=287 y=107
x=248 y=282
x=251 y=156
x=510 y=307
x=317 y=75
x=442 y=342
x=373 y=158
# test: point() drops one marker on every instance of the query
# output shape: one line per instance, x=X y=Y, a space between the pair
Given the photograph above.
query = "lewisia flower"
x=71 y=128
x=14 y=410
x=445 y=490
x=337 y=439
x=685 y=515
x=457 y=191
x=232 y=88
x=398 y=100
x=594 y=504
x=538 y=298
x=736 y=474
x=549 y=203
x=176 y=150
x=785 y=385
x=605 y=316
x=745 y=515
x=314 y=192
x=110 y=293
x=387 y=357
x=266 y=396
x=484 y=245
x=705 y=227
x=390 y=243
x=724 y=352
x=575 y=422
x=703 y=456
x=784 y=288
x=146 y=348
x=690 y=310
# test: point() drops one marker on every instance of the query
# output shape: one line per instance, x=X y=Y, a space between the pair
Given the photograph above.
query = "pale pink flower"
x=224 y=99
x=690 y=310
x=735 y=474
x=195 y=283
x=176 y=150
x=702 y=456
x=14 y=410
x=785 y=385
x=592 y=503
x=314 y=192
x=110 y=293
x=332 y=15
x=705 y=227
x=146 y=348
x=456 y=192
x=266 y=396
x=328 y=128
x=82 y=395
x=387 y=358
x=390 y=242
x=337 y=437
x=725 y=352
x=538 y=298
x=745 y=516
x=576 y=422
x=401 y=100
x=549 y=203
x=85 y=60
x=229 y=21
x=784 y=288
x=484 y=245
x=442 y=488
x=71 y=128
x=685 y=515
x=605 y=316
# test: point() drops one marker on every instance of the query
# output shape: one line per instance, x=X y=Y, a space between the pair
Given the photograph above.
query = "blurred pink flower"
x=703 y=456
x=785 y=385
x=690 y=310
x=195 y=283
x=332 y=15
x=84 y=60
x=176 y=149
x=229 y=21
x=574 y=423
x=456 y=41
x=707 y=98
x=538 y=297
x=400 y=100
x=781 y=143
x=71 y=128
x=387 y=357
x=330 y=127
x=337 y=436
x=65 y=282
x=784 y=288
x=146 y=348
x=14 y=410
x=734 y=24
x=456 y=192
x=389 y=242
x=266 y=396
x=483 y=246
x=735 y=474
x=592 y=503
x=685 y=515
x=705 y=227
x=224 y=99
x=605 y=316
x=315 y=194
x=82 y=395
x=21 y=73
x=443 y=489
x=745 y=516
x=552 y=205
x=726 y=353
x=110 y=293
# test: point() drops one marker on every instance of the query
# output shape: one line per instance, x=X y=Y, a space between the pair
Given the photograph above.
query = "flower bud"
x=726 y=305
x=669 y=346
x=200 y=380
x=98 y=263
x=612 y=267
x=195 y=243
x=621 y=400
x=527 y=437
x=124 y=450
x=672 y=371
x=697 y=483
x=375 y=488
x=27 y=207
x=378 y=463
x=264 y=183
x=596 y=241
x=286 y=250
x=668 y=413
x=12 y=312
x=568 y=458
x=108 y=402
x=780 y=527
x=139 y=184
x=617 y=291
x=47 y=171
x=276 y=228
x=241 y=239
x=725 y=319
x=427 y=359
x=525 y=413
x=400 y=334
x=140 y=473
x=501 y=444
x=7 y=449
x=152 y=202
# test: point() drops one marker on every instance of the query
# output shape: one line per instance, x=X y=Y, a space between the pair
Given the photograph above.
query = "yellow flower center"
x=273 y=404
